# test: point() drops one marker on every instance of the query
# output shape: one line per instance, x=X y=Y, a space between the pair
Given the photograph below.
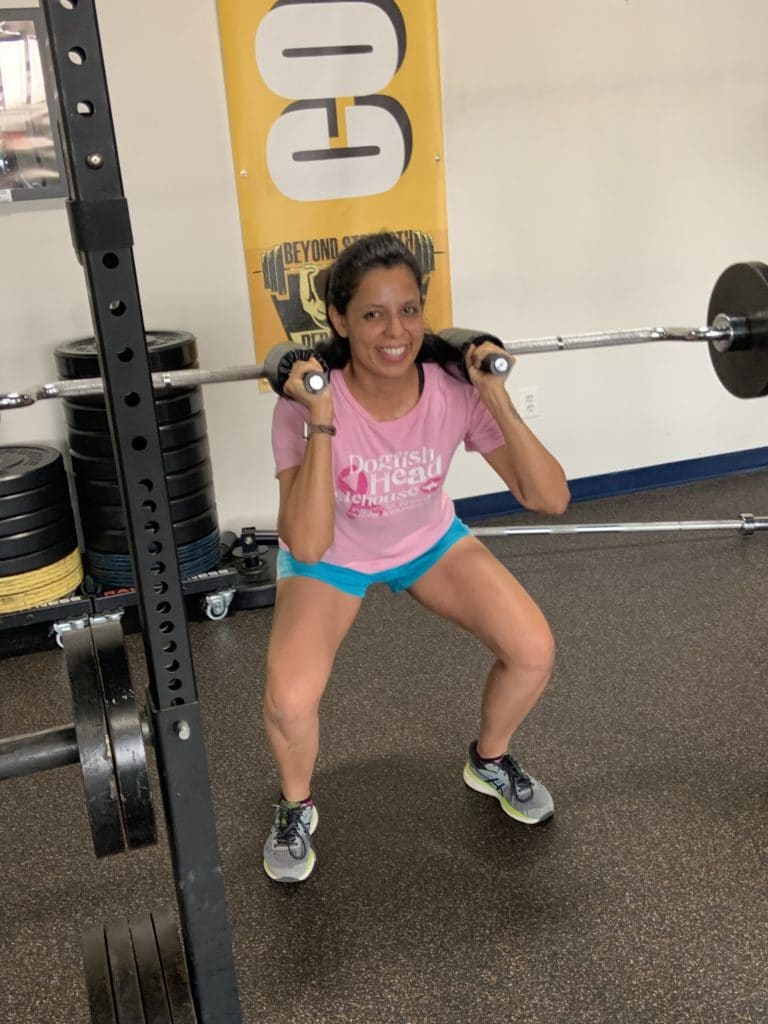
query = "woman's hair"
x=370 y=252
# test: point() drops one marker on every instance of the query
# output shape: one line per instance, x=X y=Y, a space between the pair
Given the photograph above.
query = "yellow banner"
x=336 y=123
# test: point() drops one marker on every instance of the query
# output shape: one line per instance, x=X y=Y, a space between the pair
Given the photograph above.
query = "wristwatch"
x=317 y=428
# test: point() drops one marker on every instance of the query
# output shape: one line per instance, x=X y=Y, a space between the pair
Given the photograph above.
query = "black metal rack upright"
x=101 y=233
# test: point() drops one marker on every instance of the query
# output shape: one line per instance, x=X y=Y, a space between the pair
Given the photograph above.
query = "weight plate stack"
x=185 y=452
x=39 y=556
x=136 y=971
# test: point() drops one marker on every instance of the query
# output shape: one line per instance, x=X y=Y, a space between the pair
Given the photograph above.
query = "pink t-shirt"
x=388 y=477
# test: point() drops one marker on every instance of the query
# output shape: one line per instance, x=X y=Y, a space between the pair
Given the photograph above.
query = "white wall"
x=606 y=161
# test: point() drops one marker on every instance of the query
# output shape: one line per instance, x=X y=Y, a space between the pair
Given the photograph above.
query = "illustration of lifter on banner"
x=294 y=275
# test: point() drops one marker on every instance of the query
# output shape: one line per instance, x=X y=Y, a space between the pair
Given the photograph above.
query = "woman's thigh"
x=470 y=587
x=311 y=618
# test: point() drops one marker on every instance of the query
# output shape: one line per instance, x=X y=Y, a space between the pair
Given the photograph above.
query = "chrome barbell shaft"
x=722 y=336
x=746 y=524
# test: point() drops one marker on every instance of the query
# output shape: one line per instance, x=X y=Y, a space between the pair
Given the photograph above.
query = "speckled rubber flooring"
x=645 y=901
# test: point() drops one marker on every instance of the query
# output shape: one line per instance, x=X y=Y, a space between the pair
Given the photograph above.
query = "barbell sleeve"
x=38 y=752
x=722 y=335
x=46 y=750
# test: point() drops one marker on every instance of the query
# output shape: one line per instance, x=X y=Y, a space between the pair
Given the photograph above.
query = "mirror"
x=31 y=164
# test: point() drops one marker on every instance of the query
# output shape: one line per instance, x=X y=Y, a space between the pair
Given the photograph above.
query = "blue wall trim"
x=628 y=481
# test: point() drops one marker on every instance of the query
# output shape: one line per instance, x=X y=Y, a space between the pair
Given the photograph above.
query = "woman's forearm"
x=307 y=515
x=531 y=472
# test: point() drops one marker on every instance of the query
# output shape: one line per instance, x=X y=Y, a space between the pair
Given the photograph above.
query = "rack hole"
x=149 y=506
x=77 y=55
x=147 y=485
x=132 y=399
x=85 y=108
x=138 y=443
x=177 y=702
x=175 y=684
x=172 y=666
x=163 y=607
x=158 y=589
x=157 y=568
x=166 y=627
x=117 y=307
x=151 y=526
x=68 y=5
x=110 y=260
x=170 y=647
x=125 y=355
x=155 y=547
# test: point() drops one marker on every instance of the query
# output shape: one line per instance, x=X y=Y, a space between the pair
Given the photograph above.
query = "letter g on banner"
x=314 y=52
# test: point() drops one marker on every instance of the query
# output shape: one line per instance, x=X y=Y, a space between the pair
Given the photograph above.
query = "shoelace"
x=520 y=779
x=290 y=830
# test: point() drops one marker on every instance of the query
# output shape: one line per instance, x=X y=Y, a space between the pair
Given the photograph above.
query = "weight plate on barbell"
x=168 y=350
x=124 y=724
x=26 y=467
x=151 y=981
x=101 y=798
x=174 y=964
x=742 y=291
x=125 y=977
x=98 y=980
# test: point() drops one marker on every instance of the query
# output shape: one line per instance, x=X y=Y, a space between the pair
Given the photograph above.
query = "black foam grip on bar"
x=460 y=337
x=98 y=225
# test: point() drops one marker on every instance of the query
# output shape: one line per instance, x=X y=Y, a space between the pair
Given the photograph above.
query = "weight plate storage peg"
x=741 y=294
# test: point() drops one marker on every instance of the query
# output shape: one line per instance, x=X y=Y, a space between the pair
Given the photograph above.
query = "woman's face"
x=383 y=321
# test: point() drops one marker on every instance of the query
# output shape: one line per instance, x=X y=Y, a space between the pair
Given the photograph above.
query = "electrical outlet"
x=528 y=403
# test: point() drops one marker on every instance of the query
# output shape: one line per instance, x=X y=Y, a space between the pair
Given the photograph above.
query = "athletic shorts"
x=350 y=581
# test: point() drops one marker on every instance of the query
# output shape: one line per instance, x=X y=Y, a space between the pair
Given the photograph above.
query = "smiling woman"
x=361 y=468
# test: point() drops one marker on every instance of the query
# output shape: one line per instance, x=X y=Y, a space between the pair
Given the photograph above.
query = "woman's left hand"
x=486 y=383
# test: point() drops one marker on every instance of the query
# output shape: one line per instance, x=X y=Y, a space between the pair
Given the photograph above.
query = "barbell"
x=736 y=335
x=107 y=739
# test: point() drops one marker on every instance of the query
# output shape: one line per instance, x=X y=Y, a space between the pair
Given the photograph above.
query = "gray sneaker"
x=521 y=796
x=288 y=852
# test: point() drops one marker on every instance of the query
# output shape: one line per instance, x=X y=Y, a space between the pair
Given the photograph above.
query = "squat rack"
x=102 y=238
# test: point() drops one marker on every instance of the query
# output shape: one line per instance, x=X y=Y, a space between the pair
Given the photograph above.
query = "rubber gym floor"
x=645 y=900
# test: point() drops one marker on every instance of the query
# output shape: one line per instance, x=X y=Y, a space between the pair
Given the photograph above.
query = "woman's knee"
x=531 y=649
x=290 y=707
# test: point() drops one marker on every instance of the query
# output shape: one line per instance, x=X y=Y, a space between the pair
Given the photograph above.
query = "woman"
x=361 y=468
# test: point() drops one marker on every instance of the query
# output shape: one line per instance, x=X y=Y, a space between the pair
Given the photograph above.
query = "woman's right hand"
x=320 y=404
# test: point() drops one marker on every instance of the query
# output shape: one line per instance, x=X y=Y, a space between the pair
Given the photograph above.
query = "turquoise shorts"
x=350 y=581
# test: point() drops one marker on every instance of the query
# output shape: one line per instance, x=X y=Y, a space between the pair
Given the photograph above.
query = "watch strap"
x=317 y=428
